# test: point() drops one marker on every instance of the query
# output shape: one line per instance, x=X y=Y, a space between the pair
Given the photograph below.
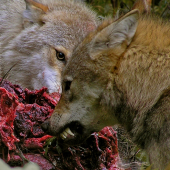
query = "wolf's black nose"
x=45 y=126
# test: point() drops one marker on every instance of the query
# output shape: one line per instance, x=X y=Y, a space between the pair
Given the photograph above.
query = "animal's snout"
x=45 y=126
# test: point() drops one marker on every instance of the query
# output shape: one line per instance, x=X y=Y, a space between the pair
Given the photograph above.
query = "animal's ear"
x=33 y=12
x=117 y=36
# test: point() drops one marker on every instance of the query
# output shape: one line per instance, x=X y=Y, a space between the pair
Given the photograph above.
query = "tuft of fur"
x=120 y=73
x=30 y=38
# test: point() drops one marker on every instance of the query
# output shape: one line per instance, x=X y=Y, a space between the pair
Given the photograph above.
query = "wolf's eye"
x=67 y=85
x=60 y=56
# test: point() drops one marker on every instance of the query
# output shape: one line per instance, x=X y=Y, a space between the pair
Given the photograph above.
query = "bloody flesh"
x=21 y=115
x=8 y=104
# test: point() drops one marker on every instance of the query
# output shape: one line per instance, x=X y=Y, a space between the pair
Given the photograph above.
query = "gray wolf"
x=37 y=39
x=119 y=74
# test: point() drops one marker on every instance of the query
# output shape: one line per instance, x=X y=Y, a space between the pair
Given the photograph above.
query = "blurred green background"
x=110 y=7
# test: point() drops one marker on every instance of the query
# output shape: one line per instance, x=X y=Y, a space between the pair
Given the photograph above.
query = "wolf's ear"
x=33 y=12
x=117 y=36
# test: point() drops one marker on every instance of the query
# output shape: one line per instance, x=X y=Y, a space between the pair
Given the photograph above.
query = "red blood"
x=8 y=104
x=23 y=111
x=29 y=118
x=36 y=158
x=35 y=143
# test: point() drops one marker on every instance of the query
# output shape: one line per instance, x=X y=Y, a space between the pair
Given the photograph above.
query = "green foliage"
x=47 y=145
x=162 y=9
x=102 y=7
x=110 y=7
x=49 y=142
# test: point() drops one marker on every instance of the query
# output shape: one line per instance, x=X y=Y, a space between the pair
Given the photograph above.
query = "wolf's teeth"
x=64 y=134
x=69 y=132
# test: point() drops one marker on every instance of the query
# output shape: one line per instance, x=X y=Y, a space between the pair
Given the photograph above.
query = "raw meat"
x=21 y=115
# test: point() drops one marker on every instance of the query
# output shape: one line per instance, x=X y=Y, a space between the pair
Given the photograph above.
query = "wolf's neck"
x=152 y=32
x=143 y=79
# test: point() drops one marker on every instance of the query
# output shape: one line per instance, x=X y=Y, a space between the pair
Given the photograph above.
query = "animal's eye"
x=67 y=85
x=60 y=56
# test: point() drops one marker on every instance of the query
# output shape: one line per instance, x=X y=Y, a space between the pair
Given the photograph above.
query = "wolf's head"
x=90 y=95
x=40 y=38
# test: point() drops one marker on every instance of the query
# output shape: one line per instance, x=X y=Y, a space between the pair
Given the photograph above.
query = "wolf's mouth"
x=66 y=133
x=72 y=131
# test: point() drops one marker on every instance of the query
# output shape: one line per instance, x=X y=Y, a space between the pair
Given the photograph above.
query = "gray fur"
x=30 y=36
